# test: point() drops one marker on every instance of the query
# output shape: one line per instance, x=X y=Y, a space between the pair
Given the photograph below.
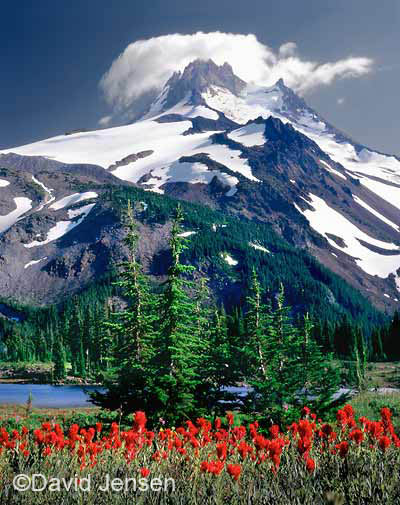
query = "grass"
x=383 y=374
x=369 y=404
x=36 y=372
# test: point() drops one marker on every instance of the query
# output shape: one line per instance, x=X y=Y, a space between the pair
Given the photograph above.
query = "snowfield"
x=67 y=201
x=250 y=135
x=376 y=213
x=254 y=101
x=22 y=205
x=105 y=147
x=325 y=220
x=63 y=227
x=189 y=172
x=185 y=234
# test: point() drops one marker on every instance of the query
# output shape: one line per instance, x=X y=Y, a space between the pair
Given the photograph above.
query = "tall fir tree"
x=130 y=333
x=59 y=371
x=180 y=347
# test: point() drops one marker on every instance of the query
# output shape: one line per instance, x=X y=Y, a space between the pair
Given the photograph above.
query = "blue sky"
x=54 y=55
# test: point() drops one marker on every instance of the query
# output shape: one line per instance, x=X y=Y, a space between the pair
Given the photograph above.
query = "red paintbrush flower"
x=310 y=465
x=144 y=472
x=234 y=471
x=140 y=420
x=356 y=435
x=384 y=442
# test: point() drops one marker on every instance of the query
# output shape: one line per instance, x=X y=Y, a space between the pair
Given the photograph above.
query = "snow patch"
x=22 y=205
x=250 y=135
x=375 y=213
x=182 y=108
x=63 y=227
x=47 y=190
x=231 y=261
x=187 y=233
x=34 y=262
x=332 y=170
x=189 y=172
x=253 y=102
x=326 y=220
x=67 y=201
x=258 y=247
x=3 y=183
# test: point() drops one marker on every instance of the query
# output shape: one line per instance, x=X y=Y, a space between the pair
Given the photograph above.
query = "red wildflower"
x=343 y=448
x=204 y=466
x=221 y=451
x=145 y=472
x=356 y=435
x=234 y=471
x=384 y=442
x=349 y=410
x=326 y=430
x=47 y=451
x=341 y=417
x=46 y=426
x=216 y=467
x=140 y=420
x=310 y=465
x=274 y=430
x=229 y=418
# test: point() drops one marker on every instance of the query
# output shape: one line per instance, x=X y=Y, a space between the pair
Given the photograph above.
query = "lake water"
x=46 y=395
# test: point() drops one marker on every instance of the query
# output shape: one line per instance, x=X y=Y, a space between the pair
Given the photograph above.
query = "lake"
x=50 y=396
x=46 y=395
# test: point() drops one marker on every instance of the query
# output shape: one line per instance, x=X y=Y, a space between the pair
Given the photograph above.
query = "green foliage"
x=287 y=368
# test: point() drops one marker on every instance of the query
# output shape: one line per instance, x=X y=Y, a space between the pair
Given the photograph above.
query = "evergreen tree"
x=288 y=368
x=59 y=372
x=320 y=376
x=180 y=347
x=257 y=320
x=130 y=333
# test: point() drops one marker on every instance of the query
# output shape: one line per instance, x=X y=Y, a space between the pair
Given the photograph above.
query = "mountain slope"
x=254 y=152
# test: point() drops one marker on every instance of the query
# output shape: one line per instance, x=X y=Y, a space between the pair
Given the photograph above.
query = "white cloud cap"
x=146 y=65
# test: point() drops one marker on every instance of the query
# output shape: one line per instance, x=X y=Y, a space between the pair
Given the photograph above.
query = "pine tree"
x=256 y=321
x=288 y=368
x=180 y=347
x=321 y=377
x=59 y=372
x=130 y=335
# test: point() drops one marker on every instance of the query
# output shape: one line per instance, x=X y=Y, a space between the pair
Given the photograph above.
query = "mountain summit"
x=197 y=78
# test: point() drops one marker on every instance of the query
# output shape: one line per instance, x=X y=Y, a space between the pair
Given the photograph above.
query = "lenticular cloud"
x=144 y=66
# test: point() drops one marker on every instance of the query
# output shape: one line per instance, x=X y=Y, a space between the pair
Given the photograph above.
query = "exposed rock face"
x=131 y=158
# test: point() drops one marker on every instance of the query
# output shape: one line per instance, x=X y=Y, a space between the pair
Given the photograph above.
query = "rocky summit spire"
x=197 y=77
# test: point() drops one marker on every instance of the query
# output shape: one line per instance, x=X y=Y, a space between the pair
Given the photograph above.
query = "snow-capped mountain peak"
x=183 y=92
x=257 y=151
